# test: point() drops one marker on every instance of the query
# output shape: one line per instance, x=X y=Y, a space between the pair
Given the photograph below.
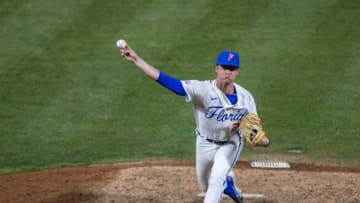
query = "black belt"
x=210 y=140
x=216 y=141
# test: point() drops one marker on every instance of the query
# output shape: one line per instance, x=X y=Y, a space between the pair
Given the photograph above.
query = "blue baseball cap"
x=228 y=58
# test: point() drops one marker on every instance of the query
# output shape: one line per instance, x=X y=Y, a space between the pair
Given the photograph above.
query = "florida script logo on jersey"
x=221 y=115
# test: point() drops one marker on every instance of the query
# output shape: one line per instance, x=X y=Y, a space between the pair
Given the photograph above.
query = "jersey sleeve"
x=193 y=89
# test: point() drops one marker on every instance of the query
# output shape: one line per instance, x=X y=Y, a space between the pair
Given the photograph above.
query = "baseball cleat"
x=232 y=191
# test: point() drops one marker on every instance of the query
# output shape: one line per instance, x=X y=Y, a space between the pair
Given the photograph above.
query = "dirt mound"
x=175 y=181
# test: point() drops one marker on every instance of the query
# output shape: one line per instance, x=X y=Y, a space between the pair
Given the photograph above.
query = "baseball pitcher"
x=225 y=115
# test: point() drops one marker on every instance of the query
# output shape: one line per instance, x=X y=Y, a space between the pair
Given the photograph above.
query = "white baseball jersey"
x=213 y=112
x=219 y=143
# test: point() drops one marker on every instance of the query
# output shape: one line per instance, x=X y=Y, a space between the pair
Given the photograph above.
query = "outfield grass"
x=68 y=98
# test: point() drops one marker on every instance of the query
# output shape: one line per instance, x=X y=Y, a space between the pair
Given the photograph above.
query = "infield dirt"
x=174 y=181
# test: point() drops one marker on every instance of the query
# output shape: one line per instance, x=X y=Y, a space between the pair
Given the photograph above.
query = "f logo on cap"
x=230 y=57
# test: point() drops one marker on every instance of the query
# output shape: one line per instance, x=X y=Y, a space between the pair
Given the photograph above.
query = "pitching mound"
x=175 y=181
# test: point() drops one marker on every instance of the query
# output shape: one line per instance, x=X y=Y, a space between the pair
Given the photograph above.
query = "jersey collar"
x=224 y=100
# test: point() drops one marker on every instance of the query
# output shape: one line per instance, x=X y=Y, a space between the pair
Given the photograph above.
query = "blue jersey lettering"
x=219 y=113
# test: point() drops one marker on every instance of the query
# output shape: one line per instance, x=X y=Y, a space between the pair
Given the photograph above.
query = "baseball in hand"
x=121 y=43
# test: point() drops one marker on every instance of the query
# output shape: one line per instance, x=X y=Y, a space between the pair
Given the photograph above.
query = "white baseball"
x=121 y=43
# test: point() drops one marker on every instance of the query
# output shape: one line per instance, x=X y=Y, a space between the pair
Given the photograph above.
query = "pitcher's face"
x=226 y=74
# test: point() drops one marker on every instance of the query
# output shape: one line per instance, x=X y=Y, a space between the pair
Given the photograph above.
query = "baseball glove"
x=251 y=129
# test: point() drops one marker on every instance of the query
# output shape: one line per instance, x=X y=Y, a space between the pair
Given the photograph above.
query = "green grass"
x=68 y=98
